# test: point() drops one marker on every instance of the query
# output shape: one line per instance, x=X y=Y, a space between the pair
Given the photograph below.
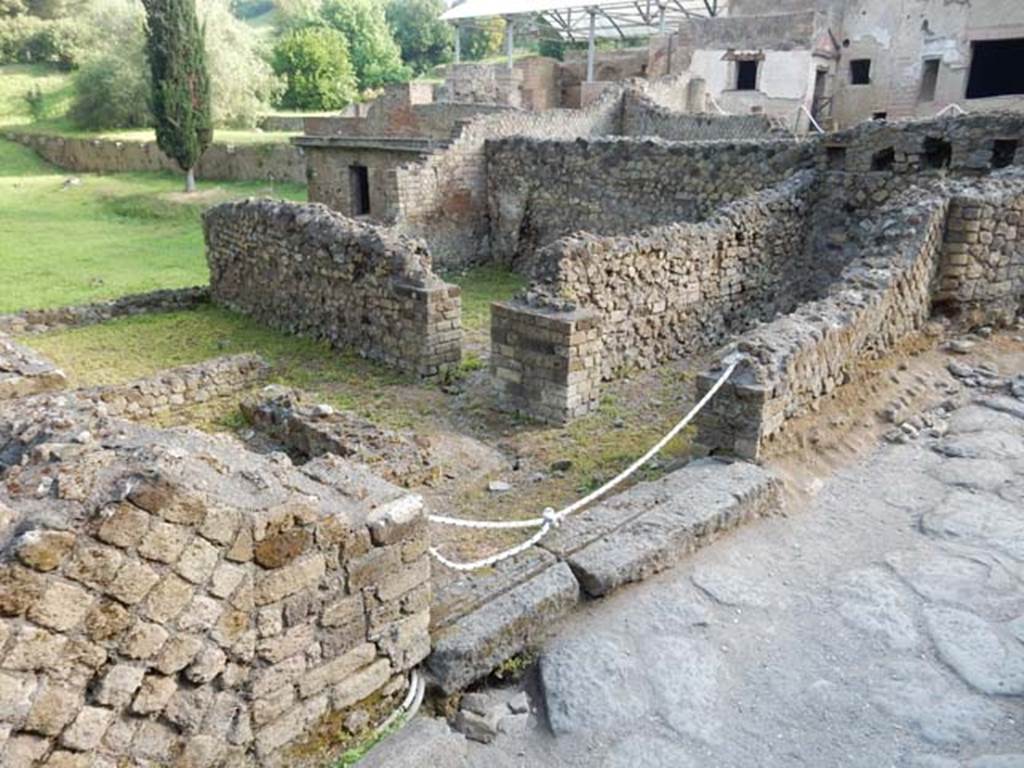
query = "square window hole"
x=860 y=71
x=1003 y=152
x=883 y=160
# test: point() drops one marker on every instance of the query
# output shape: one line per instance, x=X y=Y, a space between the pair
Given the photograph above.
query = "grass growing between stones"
x=102 y=238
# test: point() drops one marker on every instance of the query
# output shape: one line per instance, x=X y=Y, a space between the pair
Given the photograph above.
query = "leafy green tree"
x=180 y=82
x=112 y=91
x=375 y=55
x=483 y=38
x=425 y=40
x=315 y=66
x=242 y=81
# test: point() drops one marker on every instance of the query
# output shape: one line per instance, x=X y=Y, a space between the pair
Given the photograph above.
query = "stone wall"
x=602 y=306
x=221 y=162
x=968 y=144
x=308 y=429
x=882 y=298
x=541 y=189
x=443 y=199
x=23 y=372
x=644 y=116
x=178 y=387
x=43 y=320
x=308 y=270
x=168 y=598
x=981 y=273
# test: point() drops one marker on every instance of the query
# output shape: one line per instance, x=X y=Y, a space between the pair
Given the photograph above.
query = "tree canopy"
x=425 y=40
x=180 y=82
x=376 y=57
x=314 y=63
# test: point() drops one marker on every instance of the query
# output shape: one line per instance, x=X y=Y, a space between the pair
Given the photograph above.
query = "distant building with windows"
x=849 y=60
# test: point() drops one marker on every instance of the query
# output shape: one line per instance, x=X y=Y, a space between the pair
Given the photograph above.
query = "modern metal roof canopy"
x=585 y=21
x=612 y=18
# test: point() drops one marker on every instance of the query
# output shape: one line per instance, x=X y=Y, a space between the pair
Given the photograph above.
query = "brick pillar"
x=546 y=363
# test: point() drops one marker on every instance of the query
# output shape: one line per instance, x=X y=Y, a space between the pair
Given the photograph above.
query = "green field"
x=18 y=79
x=104 y=237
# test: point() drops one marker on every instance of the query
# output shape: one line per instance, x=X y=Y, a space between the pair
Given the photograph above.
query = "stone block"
x=275 y=585
x=336 y=670
x=86 y=732
x=475 y=644
x=702 y=499
x=62 y=606
x=153 y=694
x=44 y=550
x=54 y=706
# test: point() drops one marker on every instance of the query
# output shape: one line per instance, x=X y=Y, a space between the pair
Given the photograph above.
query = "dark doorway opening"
x=746 y=75
x=937 y=152
x=1003 y=152
x=835 y=158
x=883 y=160
x=997 y=68
x=929 y=80
x=359 y=186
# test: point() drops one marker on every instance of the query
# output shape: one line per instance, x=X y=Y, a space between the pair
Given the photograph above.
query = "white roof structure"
x=611 y=18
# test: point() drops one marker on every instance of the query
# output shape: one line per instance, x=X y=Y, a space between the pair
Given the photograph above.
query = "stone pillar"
x=545 y=363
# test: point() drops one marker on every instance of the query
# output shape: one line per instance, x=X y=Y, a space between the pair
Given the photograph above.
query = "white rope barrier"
x=953 y=107
x=552 y=519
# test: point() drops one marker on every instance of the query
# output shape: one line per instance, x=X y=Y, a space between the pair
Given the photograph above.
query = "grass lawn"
x=107 y=236
x=55 y=84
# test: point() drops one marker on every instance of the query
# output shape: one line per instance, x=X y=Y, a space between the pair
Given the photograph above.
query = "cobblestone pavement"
x=884 y=626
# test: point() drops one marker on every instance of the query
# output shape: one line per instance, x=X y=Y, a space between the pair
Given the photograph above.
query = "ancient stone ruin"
x=173 y=598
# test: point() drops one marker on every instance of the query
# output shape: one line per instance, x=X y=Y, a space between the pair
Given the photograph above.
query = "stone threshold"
x=481 y=621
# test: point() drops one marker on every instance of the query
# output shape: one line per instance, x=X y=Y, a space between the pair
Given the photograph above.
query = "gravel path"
x=884 y=626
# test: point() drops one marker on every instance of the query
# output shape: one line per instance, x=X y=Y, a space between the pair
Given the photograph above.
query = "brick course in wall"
x=308 y=270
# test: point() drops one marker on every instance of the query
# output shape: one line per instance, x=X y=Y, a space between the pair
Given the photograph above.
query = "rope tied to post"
x=550 y=518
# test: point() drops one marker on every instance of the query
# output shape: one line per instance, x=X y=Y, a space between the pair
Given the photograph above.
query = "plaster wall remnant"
x=169 y=598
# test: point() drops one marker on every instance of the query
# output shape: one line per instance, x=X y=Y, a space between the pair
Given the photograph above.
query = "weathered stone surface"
x=699 y=501
x=86 y=732
x=424 y=741
x=986 y=656
x=471 y=647
x=61 y=607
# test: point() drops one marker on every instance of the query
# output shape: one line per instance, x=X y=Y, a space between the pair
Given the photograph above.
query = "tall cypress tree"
x=181 y=84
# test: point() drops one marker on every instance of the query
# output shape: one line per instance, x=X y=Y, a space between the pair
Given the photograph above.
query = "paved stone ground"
x=884 y=626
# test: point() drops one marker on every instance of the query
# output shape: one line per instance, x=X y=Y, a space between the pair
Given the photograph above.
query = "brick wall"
x=308 y=270
x=545 y=362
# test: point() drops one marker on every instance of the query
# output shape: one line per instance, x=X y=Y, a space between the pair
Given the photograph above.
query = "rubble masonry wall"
x=541 y=189
x=305 y=269
x=602 y=306
x=170 y=599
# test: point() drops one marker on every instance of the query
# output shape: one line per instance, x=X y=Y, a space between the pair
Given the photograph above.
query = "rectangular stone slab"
x=685 y=510
x=475 y=644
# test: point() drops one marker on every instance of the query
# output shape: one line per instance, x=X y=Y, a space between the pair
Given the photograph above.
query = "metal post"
x=509 y=33
x=458 y=44
x=661 y=19
x=590 y=47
